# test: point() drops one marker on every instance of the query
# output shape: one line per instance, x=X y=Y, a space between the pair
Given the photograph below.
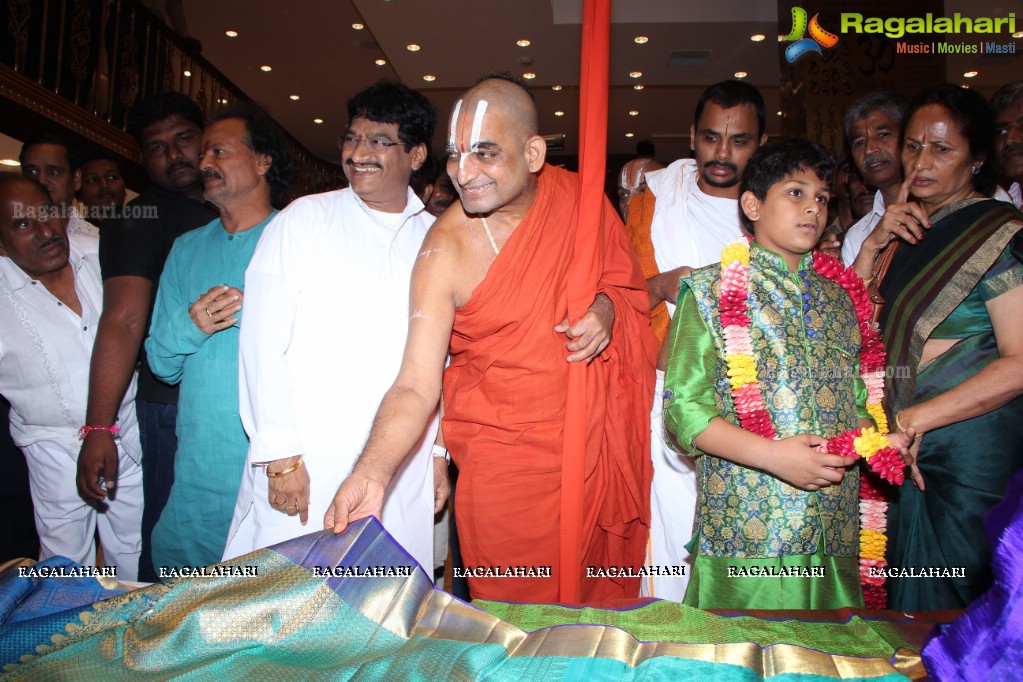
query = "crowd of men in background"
x=125 y=330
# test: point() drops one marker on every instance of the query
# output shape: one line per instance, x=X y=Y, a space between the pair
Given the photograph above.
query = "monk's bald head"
x=494 y=153
x=510 y=99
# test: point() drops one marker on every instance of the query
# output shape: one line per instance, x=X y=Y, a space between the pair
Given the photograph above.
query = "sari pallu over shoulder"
x=927 y=281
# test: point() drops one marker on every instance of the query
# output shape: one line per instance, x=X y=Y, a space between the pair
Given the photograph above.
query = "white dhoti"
x=672 y=510
x=67 y=524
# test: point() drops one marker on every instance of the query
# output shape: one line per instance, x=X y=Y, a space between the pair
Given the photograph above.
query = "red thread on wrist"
x=87 y=429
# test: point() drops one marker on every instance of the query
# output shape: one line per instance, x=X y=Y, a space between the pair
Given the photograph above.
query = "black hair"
x=390 y=102
x=1008 y=94
x=732 y=93
x=645 y=148
x=99 y=154
x=264 y=136
x=160 y=106
x=972 y=116
x=775 y=161
x=54 y=139
x=887 y=102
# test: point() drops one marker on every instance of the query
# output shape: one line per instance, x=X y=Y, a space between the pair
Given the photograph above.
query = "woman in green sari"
x=953 y=327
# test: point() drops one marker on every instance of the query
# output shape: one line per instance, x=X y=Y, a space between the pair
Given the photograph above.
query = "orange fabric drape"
x=593 y=88
x=506 y=408
x=641 y=216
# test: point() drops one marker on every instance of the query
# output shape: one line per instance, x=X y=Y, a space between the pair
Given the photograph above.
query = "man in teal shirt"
x=193 y=339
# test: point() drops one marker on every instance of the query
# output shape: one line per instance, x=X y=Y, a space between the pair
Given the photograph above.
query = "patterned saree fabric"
x=308 y=610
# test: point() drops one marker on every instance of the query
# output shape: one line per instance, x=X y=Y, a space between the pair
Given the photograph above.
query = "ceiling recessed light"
x=317 y=120
x=223 y=101
x=10 y=162
x=639 y=40
x=523 y=43
x=429 y=77
x=559 y=113
x=187 y=73
x=630 y=134
x=781 y=38
x=964 y=86
x=555 y=87
x=757 y=37
x=778 y=112
x=231 y=34
x=638 y=86
x=635 y=74
x=634 y=112
x=529 y=75
x=358 y=27
x=380 y=62
x=970 y=74
x=294 y=98
x=412 y=47
x=265 y=67
x=741 y=74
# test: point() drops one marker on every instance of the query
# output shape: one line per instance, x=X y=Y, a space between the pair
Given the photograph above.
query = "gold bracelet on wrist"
x=898 y=422
x=284 y=472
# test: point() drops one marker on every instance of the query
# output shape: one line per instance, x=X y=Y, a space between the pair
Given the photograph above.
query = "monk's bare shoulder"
x=455 y=244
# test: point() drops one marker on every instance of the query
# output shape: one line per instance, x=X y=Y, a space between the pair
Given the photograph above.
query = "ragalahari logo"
x=818 y=36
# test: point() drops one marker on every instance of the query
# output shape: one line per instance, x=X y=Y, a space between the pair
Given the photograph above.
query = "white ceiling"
x=316 y=54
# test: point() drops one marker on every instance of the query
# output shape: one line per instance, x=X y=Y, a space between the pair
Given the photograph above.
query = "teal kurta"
x=806 y=343
x=212 y=445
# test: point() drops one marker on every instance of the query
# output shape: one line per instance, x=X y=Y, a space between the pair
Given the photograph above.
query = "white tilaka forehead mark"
x=477 y=126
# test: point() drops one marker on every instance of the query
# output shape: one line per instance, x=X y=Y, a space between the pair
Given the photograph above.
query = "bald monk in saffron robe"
x=490 y=285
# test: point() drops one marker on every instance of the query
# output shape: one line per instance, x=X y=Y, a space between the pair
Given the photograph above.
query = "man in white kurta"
x=695 y=212
x=326 y=315
x=45 y=348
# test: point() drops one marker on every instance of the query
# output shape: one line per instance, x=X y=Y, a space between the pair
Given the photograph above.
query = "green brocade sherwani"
x=806 y=344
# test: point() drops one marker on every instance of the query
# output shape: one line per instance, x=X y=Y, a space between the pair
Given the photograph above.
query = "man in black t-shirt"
x=168 y=128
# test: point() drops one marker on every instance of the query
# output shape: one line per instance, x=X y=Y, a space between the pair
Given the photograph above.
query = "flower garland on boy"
x=884 y=461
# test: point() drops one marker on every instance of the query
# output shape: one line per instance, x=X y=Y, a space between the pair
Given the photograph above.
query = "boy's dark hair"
x=264 y=136
x=390 y=102
x=54 y=139
x=732 y=93
x=160 y=106
x=775 y=161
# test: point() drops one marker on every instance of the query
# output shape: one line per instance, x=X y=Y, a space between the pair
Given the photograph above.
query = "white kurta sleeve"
x=266 y=386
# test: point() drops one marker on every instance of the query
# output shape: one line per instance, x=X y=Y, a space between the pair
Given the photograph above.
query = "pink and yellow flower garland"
x=884 y=460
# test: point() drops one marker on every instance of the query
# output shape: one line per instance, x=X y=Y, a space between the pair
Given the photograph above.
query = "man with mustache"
x=873 y=124
x=193 y=339
x=168 y=128
x=688 y=213
x=326 y=315
x=1007 y=106
x=50 y=303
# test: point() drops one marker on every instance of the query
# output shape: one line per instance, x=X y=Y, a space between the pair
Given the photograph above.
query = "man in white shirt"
x=48 y=160
x=326 y=316
x=1007 y=106
x=873 y=124
x=50 y=302
x=689 y=212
